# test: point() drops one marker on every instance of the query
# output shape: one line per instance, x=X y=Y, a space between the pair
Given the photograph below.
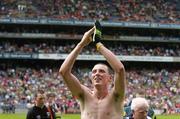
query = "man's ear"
x=110 y=78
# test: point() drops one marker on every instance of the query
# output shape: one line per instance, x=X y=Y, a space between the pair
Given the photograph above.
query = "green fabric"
x=98 y=32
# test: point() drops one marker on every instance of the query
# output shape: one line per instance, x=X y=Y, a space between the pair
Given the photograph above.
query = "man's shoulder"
x=35 y=108
x=149 y=117
x=32 y=108
x=31 y=111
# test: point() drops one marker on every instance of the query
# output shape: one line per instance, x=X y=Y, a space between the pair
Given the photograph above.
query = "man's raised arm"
x=117 y=66
x=66 y=68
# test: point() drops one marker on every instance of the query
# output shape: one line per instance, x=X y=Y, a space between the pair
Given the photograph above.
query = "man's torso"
x=107 y=108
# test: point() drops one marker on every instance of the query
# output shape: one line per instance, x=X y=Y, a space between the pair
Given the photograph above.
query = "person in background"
x=52 y=106
x=139 y=107
x=39 y=110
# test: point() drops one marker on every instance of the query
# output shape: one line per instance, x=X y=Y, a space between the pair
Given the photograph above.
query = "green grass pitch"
x=74 y=116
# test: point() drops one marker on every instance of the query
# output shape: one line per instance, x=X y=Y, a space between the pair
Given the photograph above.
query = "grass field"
x=75 y=116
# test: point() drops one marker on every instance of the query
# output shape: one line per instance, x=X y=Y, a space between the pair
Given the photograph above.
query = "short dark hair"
x=38 y=92
x=108 y=67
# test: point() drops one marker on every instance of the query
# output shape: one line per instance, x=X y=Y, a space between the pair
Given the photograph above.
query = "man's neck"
x=100 y=94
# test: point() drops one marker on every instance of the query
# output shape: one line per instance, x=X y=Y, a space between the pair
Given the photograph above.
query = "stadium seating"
x=31 y=53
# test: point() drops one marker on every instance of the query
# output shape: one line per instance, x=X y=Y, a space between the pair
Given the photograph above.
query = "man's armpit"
x=116 y=97
x=81 y=96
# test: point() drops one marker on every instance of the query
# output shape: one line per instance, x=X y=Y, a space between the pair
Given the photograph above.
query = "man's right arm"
x=66 y=68
x=29 y=114
x=65 y=71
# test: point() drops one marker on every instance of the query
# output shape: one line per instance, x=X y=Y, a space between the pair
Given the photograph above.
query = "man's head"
x=139 y=107
x=40 y=98
x=51 y=97
x=101 y=75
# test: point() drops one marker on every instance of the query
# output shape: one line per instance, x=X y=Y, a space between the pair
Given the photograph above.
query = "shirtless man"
x=98 y=103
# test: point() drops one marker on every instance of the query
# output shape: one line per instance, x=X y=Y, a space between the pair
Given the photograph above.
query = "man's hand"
x=97 y=32
x=87 y=37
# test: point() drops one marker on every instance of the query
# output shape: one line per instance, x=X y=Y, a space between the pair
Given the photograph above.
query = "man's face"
x=51 y=99
x=100 y=75
x=40 y=100
x=140 y=113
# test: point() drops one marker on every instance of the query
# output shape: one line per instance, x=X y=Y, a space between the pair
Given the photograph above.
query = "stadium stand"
x=35 y=39
x=164 y=11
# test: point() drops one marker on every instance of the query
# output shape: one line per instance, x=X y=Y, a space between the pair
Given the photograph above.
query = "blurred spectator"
x=163 y=11
x=39 y=110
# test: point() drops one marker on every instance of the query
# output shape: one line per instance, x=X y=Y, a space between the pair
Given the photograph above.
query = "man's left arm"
x=118 y=67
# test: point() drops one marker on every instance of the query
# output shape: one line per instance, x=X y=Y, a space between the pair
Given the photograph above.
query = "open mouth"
x=97 y=79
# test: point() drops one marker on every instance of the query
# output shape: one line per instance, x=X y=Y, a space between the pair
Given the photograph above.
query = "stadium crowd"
x=162 y=11
x=118 y=48
x=19 y=84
